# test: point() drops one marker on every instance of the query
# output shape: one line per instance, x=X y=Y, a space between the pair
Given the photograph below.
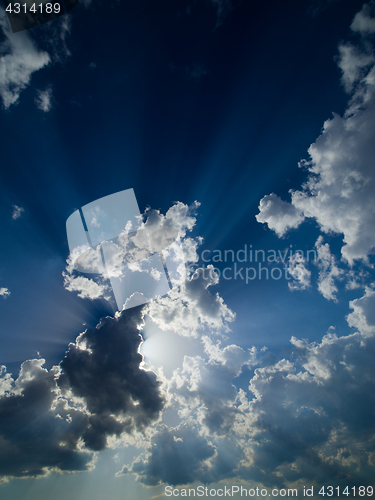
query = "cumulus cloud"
x=44 y=99
x=278 y=214
x=19 y=59
x=195 y=386
x=223 y=7
x=4 y=292
x=328 y=270
x=17 y=212
x=191 y=307
x=314 y=416
x=133 y=252
x=176 y=456
x=102 y=368
x=353 y=64
x=101 y=391
x=308 y=417
x=299 y=272
x=363 y=317
x=86 y=287
x=338 y=193
x=38 y=433
x=54 y=420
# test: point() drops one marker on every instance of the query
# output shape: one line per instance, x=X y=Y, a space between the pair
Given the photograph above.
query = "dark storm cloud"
x=103 y=368
x=33 y=435
x=40 y=430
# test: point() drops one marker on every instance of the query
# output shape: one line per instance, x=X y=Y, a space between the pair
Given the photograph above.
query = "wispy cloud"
x=44 y=99
x=364 y=21
x=278 y=214
x=17 y=212
x=299 y=272
x=21 y=60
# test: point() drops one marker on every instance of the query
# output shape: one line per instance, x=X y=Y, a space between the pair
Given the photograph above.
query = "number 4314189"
x=360 y=491
x=47 y=8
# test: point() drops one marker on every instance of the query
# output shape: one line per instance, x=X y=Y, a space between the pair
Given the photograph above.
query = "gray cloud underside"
x=306 y=418
x=103 y=368
x=53 y=420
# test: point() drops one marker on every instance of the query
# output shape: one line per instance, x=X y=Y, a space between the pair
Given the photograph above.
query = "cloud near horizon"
x=54 y=420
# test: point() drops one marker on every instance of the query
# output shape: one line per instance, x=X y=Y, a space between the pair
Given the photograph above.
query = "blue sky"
x=243 y=126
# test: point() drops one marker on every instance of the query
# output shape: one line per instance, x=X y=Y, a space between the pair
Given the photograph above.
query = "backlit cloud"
x=102 y=368
x=308 y=417
x=54 y=420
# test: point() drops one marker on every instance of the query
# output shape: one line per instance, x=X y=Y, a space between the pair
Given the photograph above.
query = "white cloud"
x=363 y=21
x=300 y=274
x=39 y=432
x=328 y=270
x=352 y=63
x=87 y=288
x=4 y=292
x=278 y=214
x=17 y=212
x=44 y=99
x=132 y=251
x=19 y=60
x=363 y=316
x=307 y=418
x=191 y=307
x=339 y=192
